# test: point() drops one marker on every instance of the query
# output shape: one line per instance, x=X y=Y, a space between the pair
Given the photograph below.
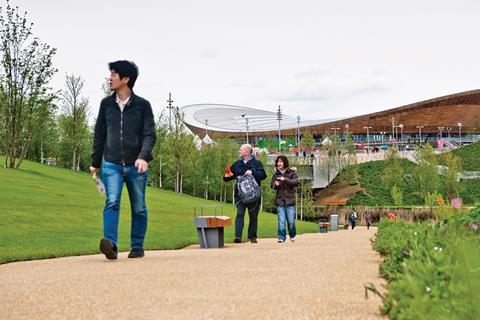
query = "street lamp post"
x=335 y=130
x=383 y=135
x=279 y=118
x=246 y=124
x=206 y=127
x=449 y=129
x=401 y=131
x=441 y=131
x=298 y=135
x=460 y=132
x=393 y=130
x=420 y=134
x=368 y=138
x=170 y=101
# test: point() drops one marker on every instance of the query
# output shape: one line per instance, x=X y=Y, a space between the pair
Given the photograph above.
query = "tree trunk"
x=24 y=151
x=74 y=158
x=78 y=163
x=41 y=151
x=177 y=179
x=160 y=173
x=181 y=183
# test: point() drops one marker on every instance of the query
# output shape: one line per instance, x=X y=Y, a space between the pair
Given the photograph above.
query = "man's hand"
x=248 y=172
x=282 y=178
x=142 y=165
x=277 y=183
x=93 y=170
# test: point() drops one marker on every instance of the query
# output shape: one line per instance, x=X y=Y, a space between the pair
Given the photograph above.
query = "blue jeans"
x=286 y=214
x=114 y=175
x=253 y=209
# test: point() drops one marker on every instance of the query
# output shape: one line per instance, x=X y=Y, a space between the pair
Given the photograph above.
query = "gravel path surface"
x=320 y=276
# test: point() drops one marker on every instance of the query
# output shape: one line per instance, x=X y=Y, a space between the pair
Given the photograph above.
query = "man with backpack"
x=247 y=191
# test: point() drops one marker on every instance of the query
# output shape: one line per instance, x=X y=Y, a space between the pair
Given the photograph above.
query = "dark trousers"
x=253 y=209
x=353 y=222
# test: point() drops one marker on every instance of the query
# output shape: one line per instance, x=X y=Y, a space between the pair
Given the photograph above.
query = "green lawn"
x=470 y=155
x=51 y=212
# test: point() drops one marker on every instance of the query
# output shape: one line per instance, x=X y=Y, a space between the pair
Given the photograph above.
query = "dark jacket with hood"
x=123 y=137
x=240 y=167
x=286 y=190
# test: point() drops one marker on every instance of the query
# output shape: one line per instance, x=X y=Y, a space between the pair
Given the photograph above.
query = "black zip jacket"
x=123 y=137
x=239 y=168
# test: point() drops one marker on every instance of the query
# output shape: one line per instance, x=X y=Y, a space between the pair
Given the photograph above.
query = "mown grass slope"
x=51 y=212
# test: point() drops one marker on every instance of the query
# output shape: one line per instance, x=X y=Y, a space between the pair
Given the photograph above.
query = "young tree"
x=307 y=142
x=268 y=194
x=178 y=147
x=106 y=88
x=393 y=173
x=397 y=196
x=74 y=119
x=45 y=140
x=451 y=180
x=426 y=171
x=351 y=169
x=25 y=70
x=156 y=166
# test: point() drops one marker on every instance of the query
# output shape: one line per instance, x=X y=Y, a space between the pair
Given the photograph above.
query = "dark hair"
x=124 y=69
x=284 y=160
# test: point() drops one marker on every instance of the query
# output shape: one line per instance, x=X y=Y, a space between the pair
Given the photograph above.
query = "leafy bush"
x=433 y=271
x=397 y=196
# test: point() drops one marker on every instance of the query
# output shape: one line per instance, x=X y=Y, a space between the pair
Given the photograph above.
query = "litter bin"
x=334 y=222
x=210 y=227
x=323 y=225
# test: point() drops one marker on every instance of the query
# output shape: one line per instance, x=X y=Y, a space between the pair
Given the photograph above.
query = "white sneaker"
x=292 y=239
x=281 y=241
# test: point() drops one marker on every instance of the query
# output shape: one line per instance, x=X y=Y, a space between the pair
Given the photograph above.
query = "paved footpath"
x=320 y=276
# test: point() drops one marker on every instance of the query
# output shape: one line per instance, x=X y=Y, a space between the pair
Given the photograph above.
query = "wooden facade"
x=444 y=112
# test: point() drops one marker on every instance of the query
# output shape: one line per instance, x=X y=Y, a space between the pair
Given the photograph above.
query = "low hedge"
x=432 y=270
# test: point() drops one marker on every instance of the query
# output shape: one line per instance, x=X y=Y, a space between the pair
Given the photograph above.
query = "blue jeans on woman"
x=286 y=214
x=114 y=175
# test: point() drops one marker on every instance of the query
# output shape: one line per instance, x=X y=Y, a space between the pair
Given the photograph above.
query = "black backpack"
x=248 y=189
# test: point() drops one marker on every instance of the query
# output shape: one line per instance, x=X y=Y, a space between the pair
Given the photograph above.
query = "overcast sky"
x=319 y=59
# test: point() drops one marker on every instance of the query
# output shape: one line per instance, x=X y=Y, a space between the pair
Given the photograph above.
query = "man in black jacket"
x=247 y=165
x=125 y=136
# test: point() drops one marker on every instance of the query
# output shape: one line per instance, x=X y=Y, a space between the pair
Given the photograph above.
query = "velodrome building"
x=454 y=116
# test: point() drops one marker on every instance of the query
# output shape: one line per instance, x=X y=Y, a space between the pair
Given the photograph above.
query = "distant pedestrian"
x=368 y=219
x=285 y=181
x=353 y=218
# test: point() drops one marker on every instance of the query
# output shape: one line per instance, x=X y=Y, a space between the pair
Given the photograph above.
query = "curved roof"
x=230 y=118
x=442 y=111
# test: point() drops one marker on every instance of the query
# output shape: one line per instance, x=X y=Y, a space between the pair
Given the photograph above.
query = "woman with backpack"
x=285 y=181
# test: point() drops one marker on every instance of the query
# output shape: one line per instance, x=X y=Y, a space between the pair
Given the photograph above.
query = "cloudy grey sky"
x=320 y=59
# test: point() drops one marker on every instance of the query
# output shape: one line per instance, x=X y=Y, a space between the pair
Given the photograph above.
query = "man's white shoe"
x=281 y=241
x=292 y=239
